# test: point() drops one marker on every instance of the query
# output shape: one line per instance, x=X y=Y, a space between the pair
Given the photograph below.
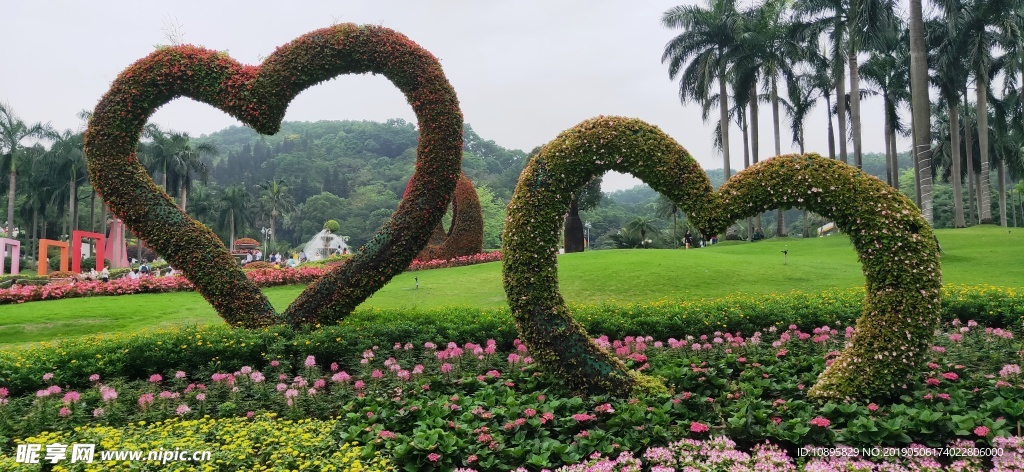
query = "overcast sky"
x=523 y=70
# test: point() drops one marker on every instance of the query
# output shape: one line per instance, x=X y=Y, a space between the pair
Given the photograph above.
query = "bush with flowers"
x=465 y=236
x=258 y=96
x=894 y=243
x=439 y=406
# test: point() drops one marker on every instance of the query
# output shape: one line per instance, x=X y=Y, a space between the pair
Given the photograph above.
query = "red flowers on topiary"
x=465 y=237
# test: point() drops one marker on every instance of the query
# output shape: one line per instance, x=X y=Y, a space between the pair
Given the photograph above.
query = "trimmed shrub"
x=465 y=237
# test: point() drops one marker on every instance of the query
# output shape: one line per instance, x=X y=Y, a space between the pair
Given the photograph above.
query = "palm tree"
x=985 y=24
x=948 y=48
x=66 y=161
x=191 y=165
x=701 y=53
x=13 y=130
x=852 y=26
x=642 y=226
x=276 y=200
x=920 y=107
x=235 y=208
x=818 y=17
x=887 y=70
x=665 y=208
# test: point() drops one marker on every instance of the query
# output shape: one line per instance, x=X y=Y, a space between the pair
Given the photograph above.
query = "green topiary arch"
x=902 y=302
x=465 y=236
x=258 y=96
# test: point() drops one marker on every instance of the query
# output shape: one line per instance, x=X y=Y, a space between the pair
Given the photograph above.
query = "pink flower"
x=334 y=366
x=201 y=397
x=950 y=376
x=98 y=412
x=47 y=376
x=182 y=409
x=359 y=385
x=446 y=368
x=872 y=407
x=145 y=399
x=94 y=378
x=65 y=412
x=530 y=412
x=108 y=394
x=341 y=377
x=291 y=393
x=179 y=374
x=155 y=378
x=605 y=408
x=434 y=457
x=981 y=431
x=310 y=361
x=581 y=417
x=956 y=337
x=377 y=374
x=820 y=422
x=320 y=383
x=274 y=363
x=385 y=434
x=698 y=427
x=72 y=397
x=933 y=381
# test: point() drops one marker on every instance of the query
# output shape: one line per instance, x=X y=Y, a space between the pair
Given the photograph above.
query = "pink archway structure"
x=45 y=244
x=76 y=249
x=117 y=250
x=15 y=246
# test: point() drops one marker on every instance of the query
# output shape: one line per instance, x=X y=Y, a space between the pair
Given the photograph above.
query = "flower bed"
x=263 y=277
x=220 y=347
x=440 y=406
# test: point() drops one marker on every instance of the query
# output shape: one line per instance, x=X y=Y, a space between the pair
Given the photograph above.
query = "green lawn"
x=977 y=255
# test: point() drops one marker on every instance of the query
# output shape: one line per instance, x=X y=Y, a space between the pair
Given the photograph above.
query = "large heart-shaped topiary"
x=258 y=96
x=894 y=243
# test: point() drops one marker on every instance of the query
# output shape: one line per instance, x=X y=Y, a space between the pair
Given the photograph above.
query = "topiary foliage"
x=894 y=243
x=258 y=96
x=465 y=236
x=896 y=248
x=530 y=240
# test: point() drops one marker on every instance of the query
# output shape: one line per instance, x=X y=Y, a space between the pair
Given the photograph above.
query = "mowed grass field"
x=978 y=255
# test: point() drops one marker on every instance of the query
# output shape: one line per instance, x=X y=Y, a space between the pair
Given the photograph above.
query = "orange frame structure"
x=15 y=246
x=45 y=244
x=76 y=249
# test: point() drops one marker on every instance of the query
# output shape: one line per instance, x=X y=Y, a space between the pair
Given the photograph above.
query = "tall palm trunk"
x=921 y=110
x=780 y=217
x=1001 y=177
x=895 y=156
x=972 y=176
x=184 y=198
x=913 y=157
x=971 y=198
x=11 y=195
x=723 y=109
x=982 y=112
x=35 y=224
x=92 y=211
x=841 y=108
x=232 y=230
x=831 y=132
x=746 y=163
x=72 y=203
x=885 y=131
x=954 y=141
x=754 y=136
x=855 y=105
x=273 y=229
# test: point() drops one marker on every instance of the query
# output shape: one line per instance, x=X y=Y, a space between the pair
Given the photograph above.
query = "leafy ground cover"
x=440 y=406
x=978 y=255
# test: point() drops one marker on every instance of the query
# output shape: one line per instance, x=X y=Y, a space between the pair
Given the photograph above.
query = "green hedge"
x=206 y=349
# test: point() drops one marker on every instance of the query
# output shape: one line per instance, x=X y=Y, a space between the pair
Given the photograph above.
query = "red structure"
x=76 y=248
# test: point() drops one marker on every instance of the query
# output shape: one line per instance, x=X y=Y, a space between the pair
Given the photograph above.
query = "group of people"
x=275 y=258
x=690 y=242
x=143 y=270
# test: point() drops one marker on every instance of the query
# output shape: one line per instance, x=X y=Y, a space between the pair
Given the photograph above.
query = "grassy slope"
x=976 y=255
